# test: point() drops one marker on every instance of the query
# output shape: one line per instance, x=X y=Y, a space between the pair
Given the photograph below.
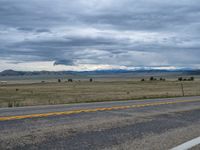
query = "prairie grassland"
x=14 y=95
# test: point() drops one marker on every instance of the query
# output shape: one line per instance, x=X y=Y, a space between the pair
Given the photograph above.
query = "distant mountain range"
x=96 y=72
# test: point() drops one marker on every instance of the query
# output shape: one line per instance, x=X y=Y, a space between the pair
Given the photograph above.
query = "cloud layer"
x=99 y=34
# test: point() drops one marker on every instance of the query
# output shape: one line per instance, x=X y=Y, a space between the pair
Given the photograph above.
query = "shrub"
x=151 y=78
x=10 y=104
x=70 y=80
x=180 y=79
x=162 y=79
x=17 y=104
x=191 y=78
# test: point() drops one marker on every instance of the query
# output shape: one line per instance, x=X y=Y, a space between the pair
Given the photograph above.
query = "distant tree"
x=191 y=78
x=70 y=80
x=59 y=80
x=91 y=80
x=142 y=79
x=162 y=79
x=10 y=104
x=180 y=79
x=151 y=78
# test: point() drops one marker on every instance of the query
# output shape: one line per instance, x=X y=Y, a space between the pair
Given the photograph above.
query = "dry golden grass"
x=59 y=93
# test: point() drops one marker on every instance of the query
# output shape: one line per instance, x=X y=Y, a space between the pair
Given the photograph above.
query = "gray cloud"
x=64 y=62
x=125 y=33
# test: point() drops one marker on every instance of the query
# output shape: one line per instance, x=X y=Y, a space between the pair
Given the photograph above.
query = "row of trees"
x=186 y=79
x=71 y=80
x=163 y=79
x=155 y=79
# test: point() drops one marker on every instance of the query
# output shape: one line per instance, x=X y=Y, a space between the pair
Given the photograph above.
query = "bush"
x=162 y=79
x=151 y=78
x=91 y=79
x=10 y=104
x=180 y=79
x=17 y=104
x=142 y=80
x=70 y=80
x=191 y=78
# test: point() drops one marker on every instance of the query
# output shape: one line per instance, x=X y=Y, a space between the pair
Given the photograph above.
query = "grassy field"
x=15 y=95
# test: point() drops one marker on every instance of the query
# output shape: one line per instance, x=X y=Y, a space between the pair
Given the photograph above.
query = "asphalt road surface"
x=155 y=124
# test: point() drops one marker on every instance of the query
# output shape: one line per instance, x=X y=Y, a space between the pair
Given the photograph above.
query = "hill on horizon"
x=142 y=71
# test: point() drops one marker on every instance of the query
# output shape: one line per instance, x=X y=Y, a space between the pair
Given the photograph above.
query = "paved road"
x=144 y=124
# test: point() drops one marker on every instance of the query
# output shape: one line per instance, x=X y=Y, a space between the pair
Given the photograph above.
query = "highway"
x=154 y=124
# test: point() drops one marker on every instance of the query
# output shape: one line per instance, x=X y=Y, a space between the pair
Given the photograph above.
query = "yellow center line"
x=93 y=110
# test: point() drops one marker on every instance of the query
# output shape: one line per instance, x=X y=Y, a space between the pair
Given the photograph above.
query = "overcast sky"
x=99 y=34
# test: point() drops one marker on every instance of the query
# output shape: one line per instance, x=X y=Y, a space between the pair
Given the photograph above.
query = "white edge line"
x=188 y=145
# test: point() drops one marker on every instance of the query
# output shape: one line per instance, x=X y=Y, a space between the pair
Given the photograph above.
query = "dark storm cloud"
x=42 y=30
x=64 y=62
x=113 y=32
x=25 y=29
